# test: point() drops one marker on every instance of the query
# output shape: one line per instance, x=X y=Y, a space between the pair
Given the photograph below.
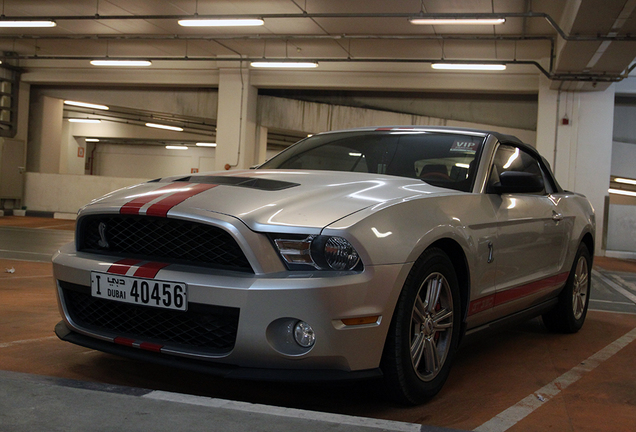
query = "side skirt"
x=517 y=317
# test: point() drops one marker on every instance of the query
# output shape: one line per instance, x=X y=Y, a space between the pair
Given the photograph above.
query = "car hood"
x=265 y=200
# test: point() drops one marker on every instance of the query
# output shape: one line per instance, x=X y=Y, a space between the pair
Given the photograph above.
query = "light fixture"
x=625 y=181
x=160 y=126
x=622 y=192
x=456 y=21
x=84 y=120
x=469 y=66
x=14 y=24
x=221 y=22
x=284 y=64
x=206 y=144
x=85 y=105
x=175 y=147
x=91 y=139
x=121 y=62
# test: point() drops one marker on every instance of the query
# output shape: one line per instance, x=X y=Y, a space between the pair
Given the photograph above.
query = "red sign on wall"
x=80 y=152
x=194 y=170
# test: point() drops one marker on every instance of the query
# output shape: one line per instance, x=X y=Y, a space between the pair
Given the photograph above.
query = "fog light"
x=304 y=335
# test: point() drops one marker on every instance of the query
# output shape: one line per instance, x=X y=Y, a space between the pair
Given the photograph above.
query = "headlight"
x=321 y=252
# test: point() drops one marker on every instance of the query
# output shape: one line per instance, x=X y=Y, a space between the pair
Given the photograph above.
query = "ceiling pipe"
x=542 y=15
x=548 y=74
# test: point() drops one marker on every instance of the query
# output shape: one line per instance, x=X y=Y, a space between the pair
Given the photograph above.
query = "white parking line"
x=526 y=406
x=26 y=341
x=615 y=286
x=386 y=425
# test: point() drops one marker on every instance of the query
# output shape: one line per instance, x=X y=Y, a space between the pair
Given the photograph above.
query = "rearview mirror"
x=518 y=182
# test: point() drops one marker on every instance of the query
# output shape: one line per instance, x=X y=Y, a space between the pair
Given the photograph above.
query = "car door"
x=531 y=235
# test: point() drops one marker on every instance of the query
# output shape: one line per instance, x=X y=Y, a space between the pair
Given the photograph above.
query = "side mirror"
x=518 y=182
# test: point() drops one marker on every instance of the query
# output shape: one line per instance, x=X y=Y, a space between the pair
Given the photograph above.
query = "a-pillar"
x=574 y=133
x=236 y=119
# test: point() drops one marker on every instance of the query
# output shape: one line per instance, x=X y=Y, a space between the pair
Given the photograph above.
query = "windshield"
x=441 y=159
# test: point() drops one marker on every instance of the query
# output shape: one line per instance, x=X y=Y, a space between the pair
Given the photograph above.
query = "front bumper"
x=322 y=299
x=224 y=371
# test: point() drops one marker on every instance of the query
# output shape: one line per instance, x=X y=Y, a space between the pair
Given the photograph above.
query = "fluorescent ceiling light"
x=456 y=21
x=462 y=165
x=121 y=62
x=27 y=23
x=91 y=139
x=625 y=181
x=622 y=192
x=222 y=22
x=206 y=144
x=173 y=147
x=160 y=126
x=84 y=120
x=468 y=66
x=85 y=105
x=282 y=64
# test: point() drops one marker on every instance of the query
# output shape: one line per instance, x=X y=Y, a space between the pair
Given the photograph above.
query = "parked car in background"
x=352 y=254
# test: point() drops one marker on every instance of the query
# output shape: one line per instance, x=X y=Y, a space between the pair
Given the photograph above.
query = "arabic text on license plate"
x=147 y=292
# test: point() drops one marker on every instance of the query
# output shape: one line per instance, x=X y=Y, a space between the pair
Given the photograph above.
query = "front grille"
x=210 y=329
x=161 y=239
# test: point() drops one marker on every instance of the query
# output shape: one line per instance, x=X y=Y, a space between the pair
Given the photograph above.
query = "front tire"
x=424 y=331
x=569 y=314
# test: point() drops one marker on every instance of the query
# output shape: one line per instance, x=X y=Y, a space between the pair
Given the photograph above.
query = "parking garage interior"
x=563 y=83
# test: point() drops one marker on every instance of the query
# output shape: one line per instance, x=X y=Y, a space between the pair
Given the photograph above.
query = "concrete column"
x=575 y=134
x=236 y=120
x=45 y=136
x=261 y=144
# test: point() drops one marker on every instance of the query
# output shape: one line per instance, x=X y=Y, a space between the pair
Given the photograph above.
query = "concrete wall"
x=624 y=159
x=138 y=161
x=313 y=117
x=195 y=102
x=66 y=193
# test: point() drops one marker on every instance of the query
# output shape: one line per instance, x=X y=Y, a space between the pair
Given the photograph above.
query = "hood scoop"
x=246 y=182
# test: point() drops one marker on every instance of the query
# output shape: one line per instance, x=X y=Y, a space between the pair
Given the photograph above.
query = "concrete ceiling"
x=578 y=44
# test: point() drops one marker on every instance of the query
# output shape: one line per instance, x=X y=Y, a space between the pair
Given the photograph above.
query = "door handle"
x=556 y=216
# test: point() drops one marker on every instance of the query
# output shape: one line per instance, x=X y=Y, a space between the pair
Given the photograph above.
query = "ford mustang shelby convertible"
x=352 y=254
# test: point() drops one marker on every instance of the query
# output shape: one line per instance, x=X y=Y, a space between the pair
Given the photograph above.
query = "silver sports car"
x=352 y=254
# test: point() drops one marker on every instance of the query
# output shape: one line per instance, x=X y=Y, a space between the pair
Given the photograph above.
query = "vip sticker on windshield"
x=465 y=146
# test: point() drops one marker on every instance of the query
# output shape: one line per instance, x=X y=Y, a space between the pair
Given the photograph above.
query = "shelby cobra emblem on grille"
x=103 y=243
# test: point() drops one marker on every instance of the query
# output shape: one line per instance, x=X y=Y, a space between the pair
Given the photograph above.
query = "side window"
x=510 y=158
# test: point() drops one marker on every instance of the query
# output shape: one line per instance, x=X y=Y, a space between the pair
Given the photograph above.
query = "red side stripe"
x=529 y=289
x=133 y=207
x=162 y=207
x=513 y=294
x=481 y=304
x=150 y=270
x=121 y=267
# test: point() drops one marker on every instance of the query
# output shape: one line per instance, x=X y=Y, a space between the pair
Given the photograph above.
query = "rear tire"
x=569 y=314
x=424 y=331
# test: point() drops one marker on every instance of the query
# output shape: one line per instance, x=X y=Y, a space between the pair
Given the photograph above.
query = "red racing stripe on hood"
x=162 y=207
x=133 y=206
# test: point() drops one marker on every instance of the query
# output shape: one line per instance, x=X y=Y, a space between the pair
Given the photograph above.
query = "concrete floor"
x=519 y=379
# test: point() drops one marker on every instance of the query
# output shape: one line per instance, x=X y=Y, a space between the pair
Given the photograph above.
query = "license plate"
x=146 y=292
